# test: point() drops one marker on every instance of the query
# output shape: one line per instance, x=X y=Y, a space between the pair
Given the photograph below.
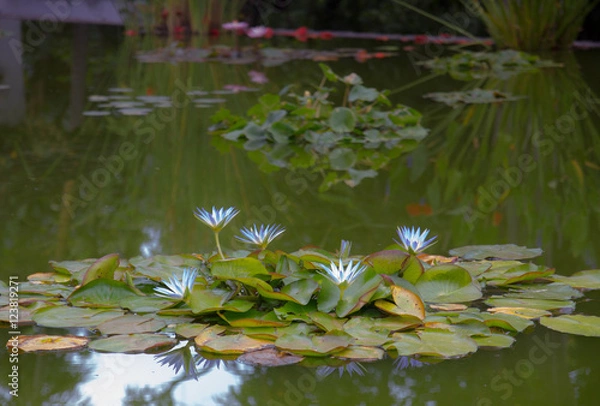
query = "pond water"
x=133 y=181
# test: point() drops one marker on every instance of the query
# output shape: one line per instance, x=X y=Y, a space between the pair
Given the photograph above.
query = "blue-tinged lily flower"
x=339 y=274
x=217 y=219
x=177 y=288
x=261 y=236
x=413 y=240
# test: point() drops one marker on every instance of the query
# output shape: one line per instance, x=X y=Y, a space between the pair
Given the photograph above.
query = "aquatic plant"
x=339 y=273
x=532 y=25
x=347 y=142
x=177 y=287
x=261 y=236
x=413 y=241
x=216 y=219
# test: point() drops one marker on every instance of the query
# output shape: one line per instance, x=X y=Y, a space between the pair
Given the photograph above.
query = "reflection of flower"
x=351 y=368
x=339 y=274
x=217 y=219
x=178 y=288
x=258 y=77
x=257 y=32
x=235 y=25
x=179 y=358
x=406 y=362
x=260 y=236
x=413 y=240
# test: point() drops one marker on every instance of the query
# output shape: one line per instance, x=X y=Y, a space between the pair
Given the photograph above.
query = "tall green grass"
x=532 y=25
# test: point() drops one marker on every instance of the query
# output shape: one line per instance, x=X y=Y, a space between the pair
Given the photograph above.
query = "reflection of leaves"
x=474 y=96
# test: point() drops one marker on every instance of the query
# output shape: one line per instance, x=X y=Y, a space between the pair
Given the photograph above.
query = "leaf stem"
x=219 y=245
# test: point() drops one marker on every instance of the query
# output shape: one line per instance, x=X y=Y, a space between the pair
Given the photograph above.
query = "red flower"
x=131 y=33
x=213 y=32
x=301 y=34
x=445 y=35
x=382 y=38
x=325 y=35
x=409 y=48
x=269 y=33
x=380 y=55
x=421 y=39
x=362 y=55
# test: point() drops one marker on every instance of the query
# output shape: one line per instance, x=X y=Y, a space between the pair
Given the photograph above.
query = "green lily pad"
x=133 y=343
x=65 y=316
x=253 y=318
x=234 y=344
x=342 y=159
x=101 y=293
x=412 y=269
x=342 y=120
x=365 y=333
x=524 y=312
x=326 y=321
x=507 y=251
x=542 y=304
x=505 y=321
x=447 y=284
x=189 y=330
x=358 y=293
x=494 y=341
x=315 y=346
x=329 y=295
x=203 y=301
x=209 y=333
x=361 y=353
x=578 y=324
x=71 y=267
x=434 y=343
x=589 y=279
x=162 y=267
x=103 y=268
x=145 y=304
x=238 y=268
x=130 y=324
x=269 y=357
x=558 y=291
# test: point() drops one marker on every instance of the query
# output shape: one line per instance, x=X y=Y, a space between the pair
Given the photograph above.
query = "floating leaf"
x=253 y=318
x=583 y=280
x=234 y=344
x=342 y=120
x=43 y=342
x=204 y=301
x=506 y=321
x=189 y=330
x=64 y=316
x=209 y=333
x=133 y=343
x=494 y=341
x=269 y=357
x=472 y=96
x=542 y=304
x=342 y=159
x=315 y=346
x=507 y=251
x=447 y=284
x=101 y=293
x=412 y=269
x=525 y=312
x=103 y=268
x=434 y=343
x=238 y=268
x=361 y=353
x=326 y=321
x=358 y=293
x=130 y=324
x=588 y=326
x=386 y=262
x=558 y=291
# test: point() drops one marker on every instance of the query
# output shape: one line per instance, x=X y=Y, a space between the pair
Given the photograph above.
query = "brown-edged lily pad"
x=269 y=357
x=234 y=344
x=43 y=342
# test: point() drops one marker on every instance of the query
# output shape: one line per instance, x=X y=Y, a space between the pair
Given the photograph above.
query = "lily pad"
x=234 y=344
x=447 y=284
x=542 y=304
x=269 y=357
x=253 y=318
x=361 y=353
x=525 y=312
x=315 y=346
x=43 y=342
x=589 y=279
x=133 y=343
x=507 y=251
x=494 y=341
x=101 y=293
x=434 y=343
x=578 y=324
x=65 y=316
x=103 y=268
x=238 y=268
x=342 y=120
x=189 y=330
x=130 y=324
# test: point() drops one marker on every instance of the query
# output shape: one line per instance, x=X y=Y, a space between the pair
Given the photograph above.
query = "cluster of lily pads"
x=346 y=143
x=469 y=65
x=295 y=306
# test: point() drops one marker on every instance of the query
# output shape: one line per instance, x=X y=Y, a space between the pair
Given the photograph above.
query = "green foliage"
x=532 y=24
x=268 y=299
x=345 y=143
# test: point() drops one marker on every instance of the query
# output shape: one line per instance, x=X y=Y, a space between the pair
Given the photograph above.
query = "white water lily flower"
x=338 y=274
x=217 y=219
x=413 y=240
x=177 y=288
x=345 y=248
x=235 y=25
x=257 y=32
x=261 y=236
